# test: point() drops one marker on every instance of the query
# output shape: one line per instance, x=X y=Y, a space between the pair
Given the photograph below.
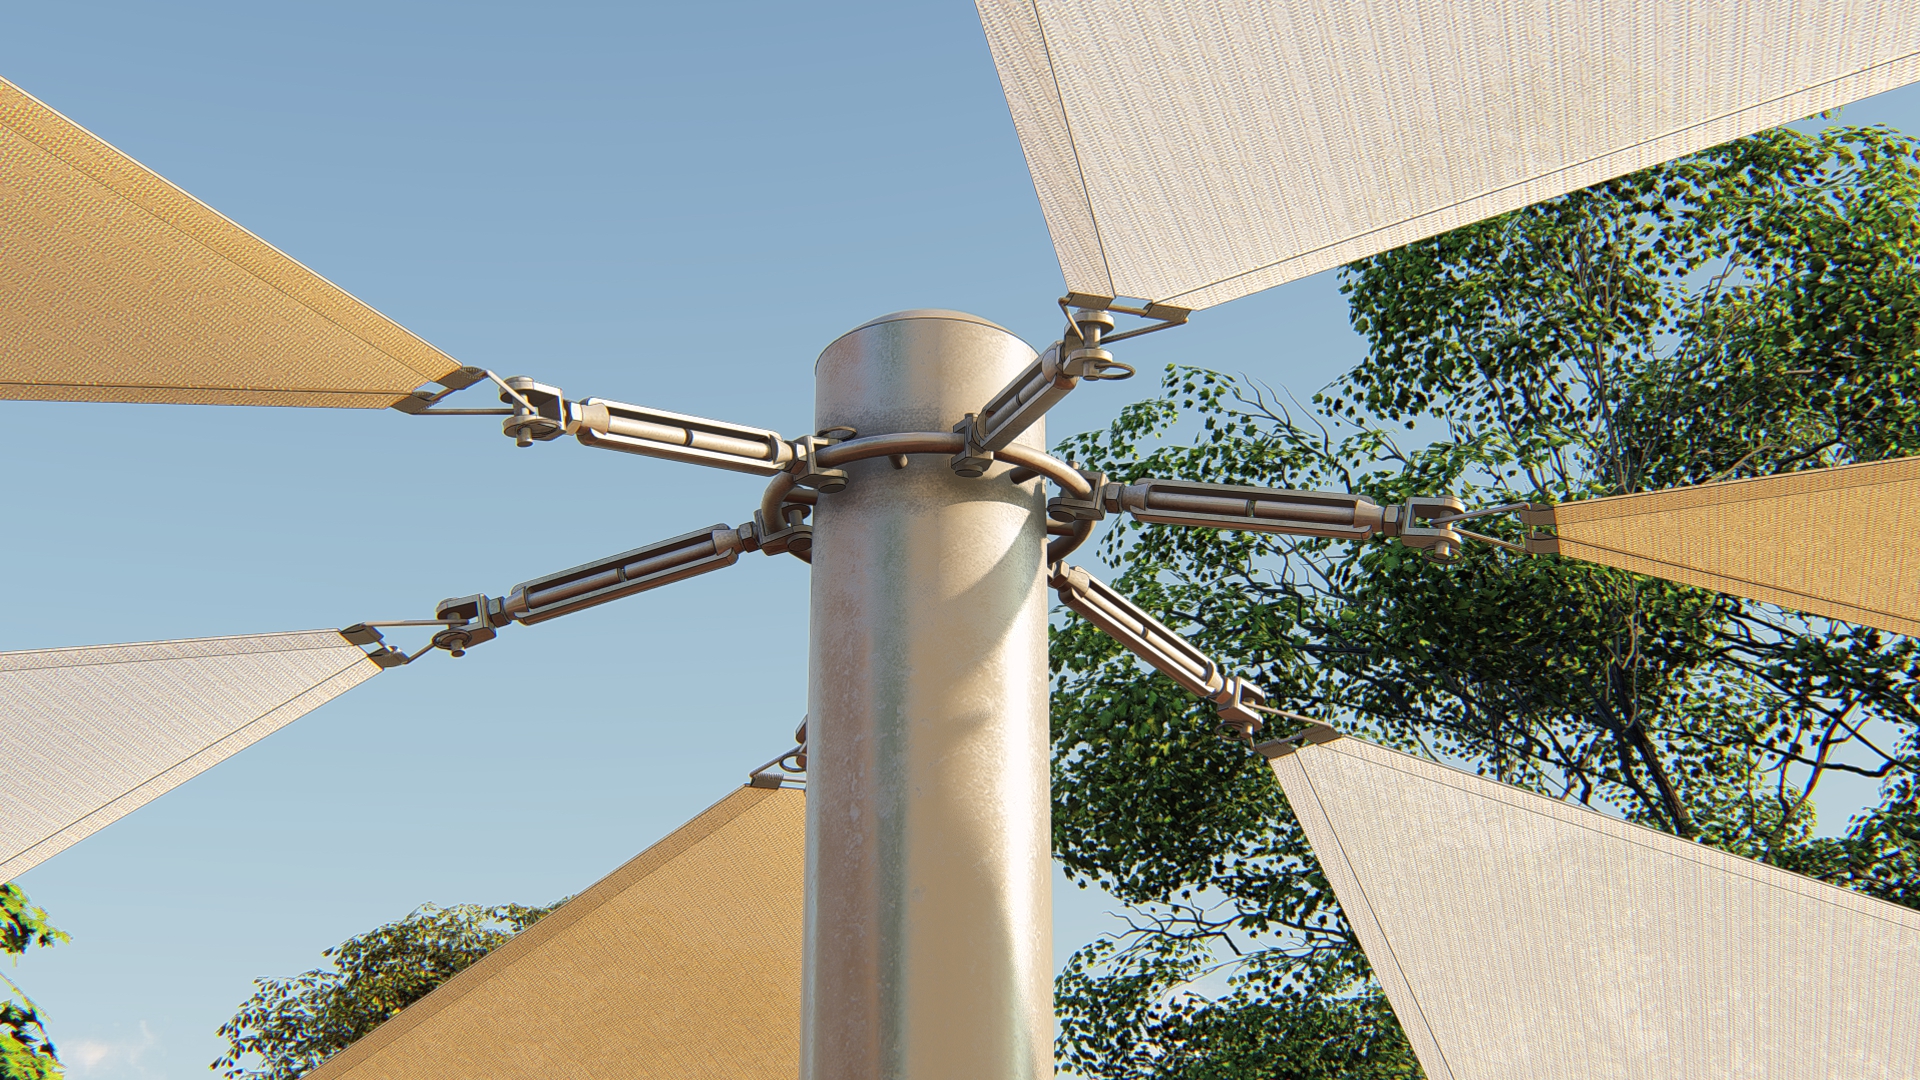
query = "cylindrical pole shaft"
x=928 y=923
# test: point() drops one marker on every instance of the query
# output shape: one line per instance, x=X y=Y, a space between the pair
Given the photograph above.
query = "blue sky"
x=670 y=205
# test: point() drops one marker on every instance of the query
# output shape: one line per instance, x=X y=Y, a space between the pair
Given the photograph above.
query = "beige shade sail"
x=1522 y=938
x=1192 y=151
x=88 y=735
x=1834 y=542
x=117 y=286
x=684 y=964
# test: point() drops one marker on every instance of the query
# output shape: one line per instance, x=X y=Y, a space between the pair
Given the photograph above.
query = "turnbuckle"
x=1419 y=523
x=1238 y=702
x=540 y=413
x=1040 y=386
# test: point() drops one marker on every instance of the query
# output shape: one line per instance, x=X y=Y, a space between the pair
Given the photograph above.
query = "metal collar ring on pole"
x=781 y=490
x=1069 y=478
x=900 y=442
x=1064 y=543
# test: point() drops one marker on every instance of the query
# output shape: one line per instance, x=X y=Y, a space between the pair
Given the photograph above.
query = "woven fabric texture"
x=1194 y=151
x=684 y=964
x=1521 y=938
x=1827 y=541
x=88 y=735
x=117 y=286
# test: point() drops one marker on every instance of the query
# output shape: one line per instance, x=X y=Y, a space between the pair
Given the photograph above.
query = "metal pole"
x=928 y=921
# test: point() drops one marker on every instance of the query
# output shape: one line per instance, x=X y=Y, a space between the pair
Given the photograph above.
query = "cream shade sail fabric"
x=684 y=964
x=1834 y=542
x=1521 y=938
x=117 y=286
x=88 y=735
x=1193 y=151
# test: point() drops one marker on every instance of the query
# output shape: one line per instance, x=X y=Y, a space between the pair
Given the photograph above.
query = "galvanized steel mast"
x=928 y=921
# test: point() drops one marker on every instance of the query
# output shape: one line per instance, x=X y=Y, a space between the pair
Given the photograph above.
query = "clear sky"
x=676 y=205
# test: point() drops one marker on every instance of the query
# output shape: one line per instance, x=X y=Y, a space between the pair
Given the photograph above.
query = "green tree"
x=1750 y=310
x=290 y=1026
x=25 y=1051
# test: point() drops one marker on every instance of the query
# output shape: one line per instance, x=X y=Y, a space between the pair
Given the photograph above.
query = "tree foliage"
x=290 y=1026
x=25 y=1051
x=1750 y=310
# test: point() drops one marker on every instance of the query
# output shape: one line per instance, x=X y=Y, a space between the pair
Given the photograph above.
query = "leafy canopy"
x=1750 y=310
x=25 y=1051
x=290 y=1026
